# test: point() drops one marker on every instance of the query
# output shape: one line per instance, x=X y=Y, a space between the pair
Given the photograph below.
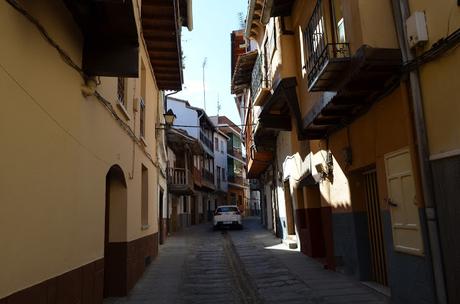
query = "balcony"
x=281 y=7
x=326 y=60
x=258 y=162
x=260 y=83
x=206 y=141
x=161 y=28
x=235 y=152
x=110 y=35
x=179 y=181
x=326 y=66
x=241 y=78
x=237 y=180
x=373 y=73
x=197 y=179
x=208 y=176
x=207 y=179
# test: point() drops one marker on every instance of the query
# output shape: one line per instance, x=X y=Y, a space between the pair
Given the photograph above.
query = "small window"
x=223 y=175
x=142 y=118
x=216 y=144
x=222 y=146
x=121 y=90
x=339 y=23
x=145 y=198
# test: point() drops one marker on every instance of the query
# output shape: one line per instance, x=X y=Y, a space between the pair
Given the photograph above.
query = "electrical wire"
x=51 y=117
x=225 y=126
x=439 y=48
x=68 y=60
x=47 y=37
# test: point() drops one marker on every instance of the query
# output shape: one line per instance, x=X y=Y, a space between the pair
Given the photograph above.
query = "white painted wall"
x=254 y=200
x=220 y=159
x=185 y=116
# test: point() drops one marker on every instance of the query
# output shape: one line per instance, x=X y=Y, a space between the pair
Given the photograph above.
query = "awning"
x=243 y=71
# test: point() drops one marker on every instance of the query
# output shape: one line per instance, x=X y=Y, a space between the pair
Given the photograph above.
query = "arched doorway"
x=115 y=234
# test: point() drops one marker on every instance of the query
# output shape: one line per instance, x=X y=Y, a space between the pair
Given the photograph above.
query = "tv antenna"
x=218 y=105
x=204 y=87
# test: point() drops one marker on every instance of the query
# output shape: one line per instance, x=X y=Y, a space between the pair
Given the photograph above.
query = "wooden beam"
x=276 y=122
x=161 y=55
x=327 y=121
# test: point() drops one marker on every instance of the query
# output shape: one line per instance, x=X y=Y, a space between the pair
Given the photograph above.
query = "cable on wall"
x=68 y=60
x=439 y=48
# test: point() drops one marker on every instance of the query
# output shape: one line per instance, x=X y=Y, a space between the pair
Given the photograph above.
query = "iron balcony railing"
x=320 y=50
x=318 y=60
x=259 y=77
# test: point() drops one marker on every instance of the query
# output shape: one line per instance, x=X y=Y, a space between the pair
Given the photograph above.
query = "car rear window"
x=227 y=209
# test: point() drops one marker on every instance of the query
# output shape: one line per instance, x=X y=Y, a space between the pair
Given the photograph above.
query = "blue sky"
x=213 y=21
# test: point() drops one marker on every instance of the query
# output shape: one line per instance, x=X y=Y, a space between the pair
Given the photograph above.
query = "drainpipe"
x=165 y=143
x=401 y=13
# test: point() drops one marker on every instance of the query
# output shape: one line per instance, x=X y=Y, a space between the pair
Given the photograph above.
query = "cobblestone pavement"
x=248 y=266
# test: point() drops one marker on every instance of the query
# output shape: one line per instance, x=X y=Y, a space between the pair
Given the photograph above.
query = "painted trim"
x=447 y=154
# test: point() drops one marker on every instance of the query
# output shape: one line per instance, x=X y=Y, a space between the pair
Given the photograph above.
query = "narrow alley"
x=325 y=132
x=247 y=266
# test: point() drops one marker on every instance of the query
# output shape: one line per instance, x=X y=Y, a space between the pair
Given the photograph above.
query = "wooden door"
x=289 y=209
x=402 y=200
x=374 y=220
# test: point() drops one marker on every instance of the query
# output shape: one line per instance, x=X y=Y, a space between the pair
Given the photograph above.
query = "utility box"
x=417 y=33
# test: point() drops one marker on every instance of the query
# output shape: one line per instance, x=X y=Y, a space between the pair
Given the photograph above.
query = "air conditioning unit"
x=417 y=34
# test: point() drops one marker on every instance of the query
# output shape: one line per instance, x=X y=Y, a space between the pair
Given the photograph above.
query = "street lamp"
x=169 y=120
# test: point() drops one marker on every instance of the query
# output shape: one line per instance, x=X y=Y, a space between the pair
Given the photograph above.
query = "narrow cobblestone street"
x=199 y=265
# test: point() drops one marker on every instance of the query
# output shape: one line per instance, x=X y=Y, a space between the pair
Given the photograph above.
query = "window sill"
x=123 y=110
x=145 y=227
x=143 y=141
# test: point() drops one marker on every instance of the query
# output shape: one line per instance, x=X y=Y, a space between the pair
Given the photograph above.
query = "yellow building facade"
x=436 y=84
x=333 y=136
x=80 y=174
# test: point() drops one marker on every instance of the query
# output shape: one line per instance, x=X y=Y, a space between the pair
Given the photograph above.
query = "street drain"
x=246 y=288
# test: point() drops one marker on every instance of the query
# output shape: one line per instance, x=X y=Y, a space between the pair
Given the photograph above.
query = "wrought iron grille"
x=142 y=118
x=121 y=90
x=319 y=49
x=320 y=59
x=315 y=35
x=259 y=78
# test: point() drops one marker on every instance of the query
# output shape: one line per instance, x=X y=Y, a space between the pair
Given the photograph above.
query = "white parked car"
x=227 y=216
